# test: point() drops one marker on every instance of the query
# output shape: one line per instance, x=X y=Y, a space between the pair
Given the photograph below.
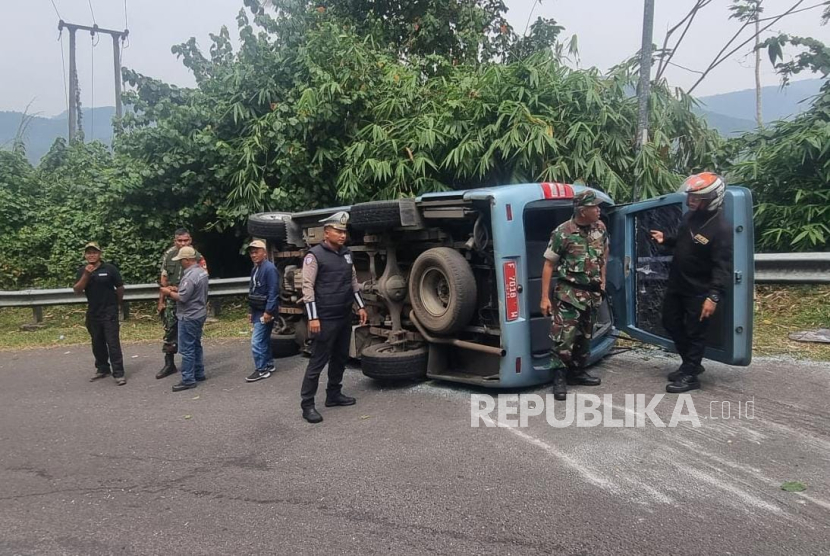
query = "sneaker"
x=258 y=375
x=99 y=375
x=121 y=380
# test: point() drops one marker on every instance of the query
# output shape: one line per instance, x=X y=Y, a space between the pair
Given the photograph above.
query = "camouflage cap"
x=338 y=220
x=586 y=198
x=92 y=245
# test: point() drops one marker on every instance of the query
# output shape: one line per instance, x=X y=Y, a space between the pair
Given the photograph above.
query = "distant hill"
x=730 y=113
x=734 y=113
x=42 y=132
x=726 y=125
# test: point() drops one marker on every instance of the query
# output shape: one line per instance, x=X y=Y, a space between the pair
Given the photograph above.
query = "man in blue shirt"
x=263 y=300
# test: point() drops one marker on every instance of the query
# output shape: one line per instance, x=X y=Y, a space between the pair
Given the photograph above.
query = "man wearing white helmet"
x=700 y=271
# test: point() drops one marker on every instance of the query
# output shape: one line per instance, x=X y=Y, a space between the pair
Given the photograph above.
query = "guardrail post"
x=37 y=320
x=125 y=310
x=215 y=307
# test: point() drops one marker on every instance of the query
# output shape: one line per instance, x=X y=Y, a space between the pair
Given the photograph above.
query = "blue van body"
x=635 y=278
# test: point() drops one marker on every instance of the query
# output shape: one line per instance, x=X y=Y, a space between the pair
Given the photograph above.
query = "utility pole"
x=73 y=71
x=759 y=118
x=73 y=85
x=644 y=86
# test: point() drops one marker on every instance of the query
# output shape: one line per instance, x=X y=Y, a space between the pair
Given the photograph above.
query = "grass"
x=779 y=310
x=64 y=325
x=782 y=310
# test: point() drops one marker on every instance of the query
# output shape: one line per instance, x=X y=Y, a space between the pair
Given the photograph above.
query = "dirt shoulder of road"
x=779 y=311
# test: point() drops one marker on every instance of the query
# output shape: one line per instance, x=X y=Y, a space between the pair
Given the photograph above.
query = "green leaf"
x=793 y=486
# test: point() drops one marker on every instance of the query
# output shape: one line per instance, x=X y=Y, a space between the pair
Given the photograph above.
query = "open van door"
x=638 y=271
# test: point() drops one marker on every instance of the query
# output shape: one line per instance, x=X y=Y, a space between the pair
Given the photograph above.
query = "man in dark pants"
x=700 y=271
x=330 y=289
x=104 y=289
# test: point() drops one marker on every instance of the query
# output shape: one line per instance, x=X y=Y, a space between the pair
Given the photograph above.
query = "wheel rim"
x=434 y=290
x=275 y=217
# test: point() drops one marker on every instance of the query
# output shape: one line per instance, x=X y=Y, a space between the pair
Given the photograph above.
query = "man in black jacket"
x=330 y=289
x=699 y=275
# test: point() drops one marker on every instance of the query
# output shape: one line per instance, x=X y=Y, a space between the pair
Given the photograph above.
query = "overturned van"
x=452 y=281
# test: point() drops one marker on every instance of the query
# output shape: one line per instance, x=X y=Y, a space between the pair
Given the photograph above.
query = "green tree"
x=788 y=164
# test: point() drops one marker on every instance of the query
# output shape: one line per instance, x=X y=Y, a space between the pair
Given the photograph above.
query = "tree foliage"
x=788 y=164
x=331 y=102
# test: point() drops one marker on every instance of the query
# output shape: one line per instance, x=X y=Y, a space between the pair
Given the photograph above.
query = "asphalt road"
x=231 y=468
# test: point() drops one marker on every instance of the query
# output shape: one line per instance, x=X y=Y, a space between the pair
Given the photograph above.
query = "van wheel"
x=376 y=216
x=284 y=345
x=442 y=290
x=269 y=225
x=380 y=362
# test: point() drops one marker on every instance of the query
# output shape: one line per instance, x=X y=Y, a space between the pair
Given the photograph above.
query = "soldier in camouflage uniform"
x=171 y=275
x=575 y=257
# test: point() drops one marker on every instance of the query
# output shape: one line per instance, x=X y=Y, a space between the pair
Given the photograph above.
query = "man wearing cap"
x=104 y=289
x=191 y=310
x=171 y=274
x=330 y=289
x=576 y=257
x=263 y=295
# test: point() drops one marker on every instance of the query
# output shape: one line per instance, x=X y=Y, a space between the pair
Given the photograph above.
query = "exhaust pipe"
x=455 y=342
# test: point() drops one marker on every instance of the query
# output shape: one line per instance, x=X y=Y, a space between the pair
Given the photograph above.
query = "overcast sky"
x=608 y=31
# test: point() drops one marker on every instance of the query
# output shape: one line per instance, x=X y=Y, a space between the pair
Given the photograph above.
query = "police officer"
x=104 y=289
x=700 y=270
x=576 y=257
x=330 y=289
x=171 y=275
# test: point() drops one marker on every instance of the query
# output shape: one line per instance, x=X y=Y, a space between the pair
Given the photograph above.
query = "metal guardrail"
x=770 y=268
x=792 y=268
x=132 y=292
x=37 y=299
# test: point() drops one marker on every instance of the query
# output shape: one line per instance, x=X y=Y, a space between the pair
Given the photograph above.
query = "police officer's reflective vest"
x=333 y=287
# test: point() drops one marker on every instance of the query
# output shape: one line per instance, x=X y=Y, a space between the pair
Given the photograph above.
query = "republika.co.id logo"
x=589 y=410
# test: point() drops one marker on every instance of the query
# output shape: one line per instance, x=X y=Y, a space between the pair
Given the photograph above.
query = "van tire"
x=379 y=362
x=284 y=345
x=269 y=225
x=377 y=216
x=442 y=290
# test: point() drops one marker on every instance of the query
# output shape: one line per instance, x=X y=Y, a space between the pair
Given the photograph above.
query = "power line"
x=92 y=12
x=56 y=9
x=126 y=20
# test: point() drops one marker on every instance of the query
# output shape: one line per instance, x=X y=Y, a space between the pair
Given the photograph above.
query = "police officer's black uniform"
x=334 y=297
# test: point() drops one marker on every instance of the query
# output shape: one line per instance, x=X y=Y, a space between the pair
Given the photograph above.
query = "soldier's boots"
x=674 y=375
x=333 y=400
x=311 y=415
x=683 y=384
x=580 y=377
x=560 y=388
x=169 y=366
